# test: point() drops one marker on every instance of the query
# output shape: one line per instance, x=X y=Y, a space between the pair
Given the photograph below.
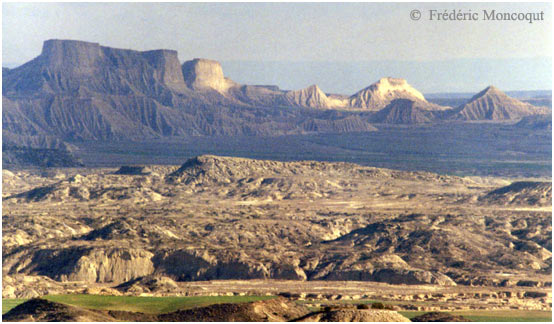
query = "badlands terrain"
x=315 y=231
x=77 y=219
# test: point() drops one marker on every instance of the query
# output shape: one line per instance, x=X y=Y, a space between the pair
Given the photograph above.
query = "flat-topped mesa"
x=381 y=93
x=79 y=64
x=57 y=52
x=204 y=74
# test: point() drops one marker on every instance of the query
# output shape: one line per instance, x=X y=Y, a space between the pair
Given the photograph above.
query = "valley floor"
x=453 y=148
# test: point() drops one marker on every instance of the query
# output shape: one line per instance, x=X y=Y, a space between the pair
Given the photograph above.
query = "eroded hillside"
x=233 y=218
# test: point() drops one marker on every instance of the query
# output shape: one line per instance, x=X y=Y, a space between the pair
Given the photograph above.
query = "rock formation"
x=378 y=95
x=203 y=74
x=311 y=96
x=133 y=170
x=80 y=68
x=493 y=104
x=78 y=91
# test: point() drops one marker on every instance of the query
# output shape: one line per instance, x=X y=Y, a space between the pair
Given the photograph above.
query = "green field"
x=151 y=305
x=158 y=305
x=495 y=315
x=9 y=303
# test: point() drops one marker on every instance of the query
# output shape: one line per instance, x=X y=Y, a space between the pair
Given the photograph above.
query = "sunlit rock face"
x=383 y=92
x=204 y=74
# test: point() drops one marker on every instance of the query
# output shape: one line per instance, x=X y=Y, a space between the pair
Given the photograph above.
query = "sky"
x=341 y=47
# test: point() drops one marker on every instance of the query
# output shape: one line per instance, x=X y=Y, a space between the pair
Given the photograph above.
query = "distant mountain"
x=381 y=93
x=539 y=98
x=311 y=96
x=77 y=91
x=520 y=94
x=83 y=91
x=206 y=76
x=82 y=69
x=493 y=104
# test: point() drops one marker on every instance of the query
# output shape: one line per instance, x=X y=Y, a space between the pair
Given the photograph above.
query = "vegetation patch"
x=149 y=305
x=9 y=303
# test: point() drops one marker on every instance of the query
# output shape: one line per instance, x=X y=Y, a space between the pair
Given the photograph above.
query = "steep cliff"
x=203 y=74
x=78 y=91
x=80 y=68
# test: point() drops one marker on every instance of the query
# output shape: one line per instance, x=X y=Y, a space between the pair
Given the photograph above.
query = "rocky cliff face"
x=99 y=264
x=79 y=68
x=78 y=90
x=78 y=56
x=167 y=68
x=203 y=74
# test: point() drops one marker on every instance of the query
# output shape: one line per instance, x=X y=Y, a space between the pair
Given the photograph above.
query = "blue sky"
x=320 y=41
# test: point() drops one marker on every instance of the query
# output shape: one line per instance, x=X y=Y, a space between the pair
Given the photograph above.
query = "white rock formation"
x=382 y=92
x=203 y=74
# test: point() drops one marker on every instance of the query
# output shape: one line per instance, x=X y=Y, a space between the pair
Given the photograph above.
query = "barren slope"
x=233 y=218
x=493 y=104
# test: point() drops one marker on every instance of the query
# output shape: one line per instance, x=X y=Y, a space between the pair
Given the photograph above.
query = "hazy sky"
x=293 y=32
